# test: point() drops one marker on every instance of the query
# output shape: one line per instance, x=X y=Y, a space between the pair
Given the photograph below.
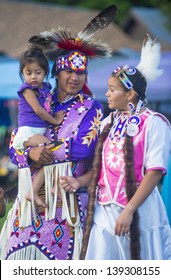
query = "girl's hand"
x=124 y=221
x=60 y=116
x=69 y=183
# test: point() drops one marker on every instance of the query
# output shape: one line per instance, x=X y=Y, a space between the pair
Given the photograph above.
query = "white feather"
x=150 y=60
x=50 y=34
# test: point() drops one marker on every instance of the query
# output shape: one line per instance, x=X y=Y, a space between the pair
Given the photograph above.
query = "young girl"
x=130 y=220
x=35 y=108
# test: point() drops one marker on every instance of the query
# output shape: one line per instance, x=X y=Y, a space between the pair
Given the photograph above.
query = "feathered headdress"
x=150 y=59
x=147 y=70
x=62 y=42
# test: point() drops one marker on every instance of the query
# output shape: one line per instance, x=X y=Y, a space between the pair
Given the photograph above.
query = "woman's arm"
x=145 y=188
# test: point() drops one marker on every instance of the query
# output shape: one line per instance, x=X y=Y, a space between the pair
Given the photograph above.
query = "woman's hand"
x=124 y=221
x=69 y=183
x=42 y=154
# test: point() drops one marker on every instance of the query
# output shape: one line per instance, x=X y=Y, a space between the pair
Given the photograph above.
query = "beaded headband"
x=125 y=81
x=75 y=61
x=123 y=76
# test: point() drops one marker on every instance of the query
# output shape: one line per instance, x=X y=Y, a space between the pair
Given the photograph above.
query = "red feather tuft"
x=72 y=44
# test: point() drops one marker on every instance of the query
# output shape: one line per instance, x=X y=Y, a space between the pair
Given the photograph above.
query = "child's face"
x=33 y=74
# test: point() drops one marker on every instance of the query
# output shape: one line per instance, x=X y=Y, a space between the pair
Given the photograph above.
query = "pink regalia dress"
x=151 y=151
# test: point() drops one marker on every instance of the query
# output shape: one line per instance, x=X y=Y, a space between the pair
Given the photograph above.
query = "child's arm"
x=2 y=203
x=32 y=100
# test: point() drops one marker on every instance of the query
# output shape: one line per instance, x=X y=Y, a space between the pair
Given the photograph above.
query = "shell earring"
x=134 y=120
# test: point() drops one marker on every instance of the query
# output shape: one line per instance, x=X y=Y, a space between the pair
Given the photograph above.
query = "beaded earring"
x=134 y=120
x=131 y=107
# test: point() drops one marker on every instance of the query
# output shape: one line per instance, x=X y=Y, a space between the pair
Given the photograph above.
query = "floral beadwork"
x=94 y=129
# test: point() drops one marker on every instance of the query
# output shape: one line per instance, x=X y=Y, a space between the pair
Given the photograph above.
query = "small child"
x=34 y=108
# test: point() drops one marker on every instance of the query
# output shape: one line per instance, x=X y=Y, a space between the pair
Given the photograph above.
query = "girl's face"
x=70 y=83
x=34 y=74
x=117 y=97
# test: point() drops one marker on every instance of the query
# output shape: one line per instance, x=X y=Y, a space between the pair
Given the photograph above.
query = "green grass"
x=2 y=220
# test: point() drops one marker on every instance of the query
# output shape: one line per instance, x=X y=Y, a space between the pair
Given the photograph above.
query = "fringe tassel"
x=52 y=174
x=49 y=199
x=65 y=169
x=28 y=253
x=25 y=206
x=78 y=236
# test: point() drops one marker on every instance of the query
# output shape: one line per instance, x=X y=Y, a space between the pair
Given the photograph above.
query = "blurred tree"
x=124 y=5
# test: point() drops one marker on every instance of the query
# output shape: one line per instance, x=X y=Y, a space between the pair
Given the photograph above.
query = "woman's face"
x=117 y=97
x=70 y=83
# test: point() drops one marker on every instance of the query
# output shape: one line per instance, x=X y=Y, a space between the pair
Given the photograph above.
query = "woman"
x=130 y=220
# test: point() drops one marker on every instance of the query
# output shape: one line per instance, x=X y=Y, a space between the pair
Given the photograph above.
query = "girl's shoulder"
x=46 y=88
x=156 y=117
x=23 y=87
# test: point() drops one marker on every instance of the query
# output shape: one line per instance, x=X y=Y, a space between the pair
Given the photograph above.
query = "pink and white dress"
x=152 y=145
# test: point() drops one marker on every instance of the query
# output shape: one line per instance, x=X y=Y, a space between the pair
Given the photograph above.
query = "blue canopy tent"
x=101 y=69
x=158 y=93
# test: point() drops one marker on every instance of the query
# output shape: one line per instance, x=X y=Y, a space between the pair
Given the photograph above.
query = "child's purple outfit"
x=29 y=122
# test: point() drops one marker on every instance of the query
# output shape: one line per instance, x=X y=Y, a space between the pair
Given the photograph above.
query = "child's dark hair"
x=34 y=54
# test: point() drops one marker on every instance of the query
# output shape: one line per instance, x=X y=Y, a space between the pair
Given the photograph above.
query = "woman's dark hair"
x=34 y=54
x=137 y=79
x=92 y=193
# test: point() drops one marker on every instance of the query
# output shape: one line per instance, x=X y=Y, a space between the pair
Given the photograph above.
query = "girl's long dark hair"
x=92 y=193
x=130 y=191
